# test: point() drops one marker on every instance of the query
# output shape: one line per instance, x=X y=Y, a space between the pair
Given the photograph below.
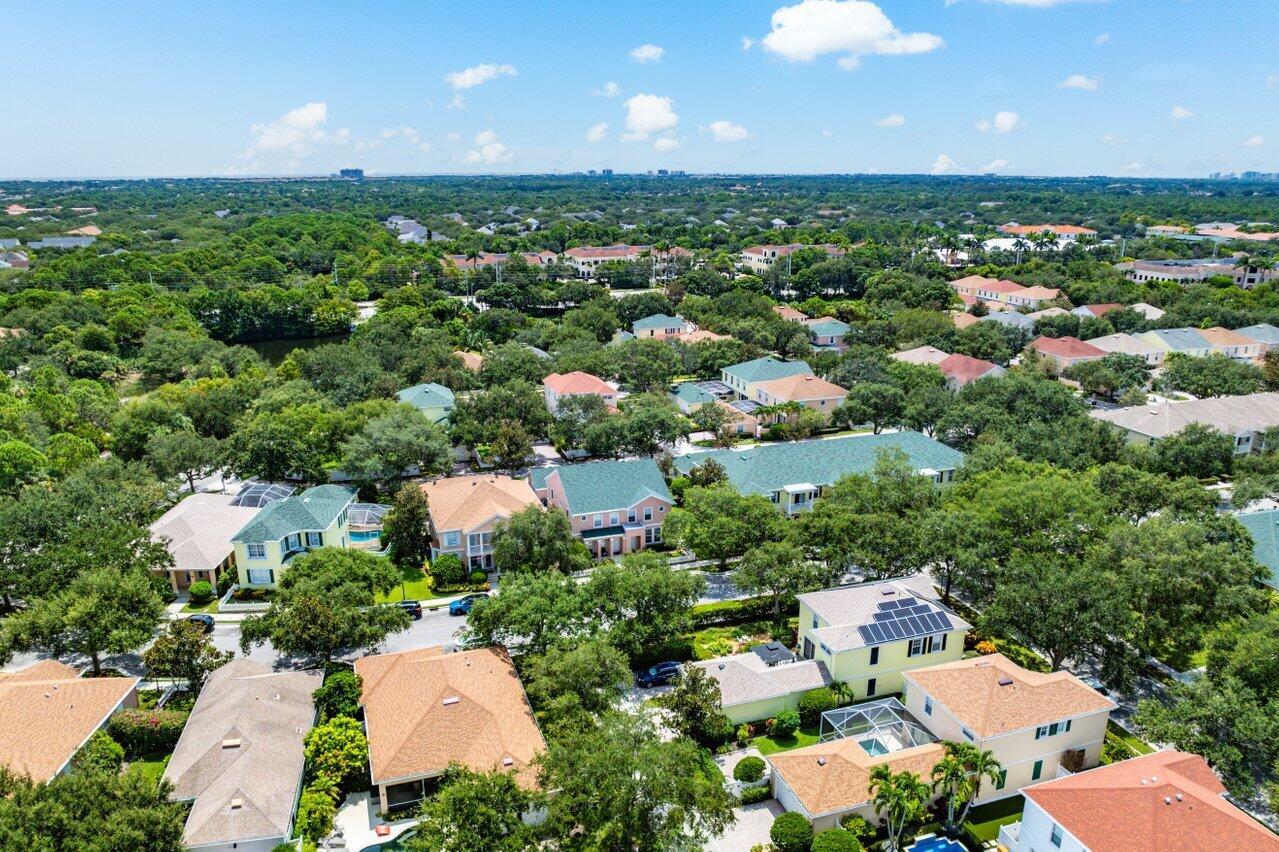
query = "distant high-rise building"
x=606 y=172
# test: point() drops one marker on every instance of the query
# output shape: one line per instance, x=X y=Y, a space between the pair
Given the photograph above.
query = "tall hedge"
x=146 y=731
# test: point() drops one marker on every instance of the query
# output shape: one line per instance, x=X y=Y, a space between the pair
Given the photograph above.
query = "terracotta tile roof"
x=921 y=355
x=962 y=321
x=1102 y=309
x=1037 y=292
x=835 y=776
x=1066 y=347
x=992 y=285
x=789 y=313
x=86 y=231
x=578 y=382
x=619 y=252
x=964 y=368
x=424 y=709
x=1059 y=230
x=465 y=502
x=802 y=387
x=47 y=711
x=972 y=692
x=473 y=361
x=701 y=335
x=1165 y=800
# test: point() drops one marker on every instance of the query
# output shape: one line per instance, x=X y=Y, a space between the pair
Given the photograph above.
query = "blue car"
x=462 y=606
x=659 y=675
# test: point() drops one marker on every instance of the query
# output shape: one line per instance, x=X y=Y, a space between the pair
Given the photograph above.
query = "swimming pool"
x=937 y=844
x=873 y=746
x=365 y=535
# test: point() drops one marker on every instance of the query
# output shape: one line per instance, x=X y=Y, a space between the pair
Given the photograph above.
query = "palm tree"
x=900 y=799
x=981 y=764
x=1020 y=245
x=951 y=780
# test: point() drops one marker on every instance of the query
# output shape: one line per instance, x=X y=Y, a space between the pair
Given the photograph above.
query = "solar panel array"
x=904 y=618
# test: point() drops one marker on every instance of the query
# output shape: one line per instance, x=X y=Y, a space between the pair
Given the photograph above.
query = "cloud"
x=1103 y=38
x=726 y=131
x=608 y=90
x=488 y=150
x=853 y=28
x=747 y=42
x=408 y=134
x=1033 y=4
x=1005 y=121
x=1180 y=113
x=1272 y=81
x=646 y=53
x=894 y=120
x=597 y=132
x=1081 y=82
x=648 y=114
x=1113 y=139
x=1254 y=141
x=291 y=138
x=995 y=166
x=944 y=165
x=458 y=102
x=1134 y=168
x=827 y=133
x=664 y=144
x=469 y=78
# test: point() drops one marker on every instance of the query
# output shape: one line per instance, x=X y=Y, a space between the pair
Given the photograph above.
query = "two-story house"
x=869 y=634
x=465 y=510
x=433 y=400
x=744 y=378
x=809 y=391
x=616 y=507
x=559 y=386
x=660 y=326
x=1035 y=724
x=827 y=333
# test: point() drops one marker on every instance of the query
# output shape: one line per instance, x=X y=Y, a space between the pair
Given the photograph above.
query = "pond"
x=275 y=351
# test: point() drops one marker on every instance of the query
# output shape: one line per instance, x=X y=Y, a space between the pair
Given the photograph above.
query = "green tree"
x=475 y=812
x=779 y=569
x=537 y=539
x=511 y=446
x=184 y=651
x=393 y=443
x=406 y=529
x=791 y=832
x=694 y=705
x=718 y=523
x=338 y=750
x=643 y=600
x=316 y=811
x=1211 y=375
x=99 y=754
x=875 y=403
x=1197 y=450
x=183 y=453
x=569 y=681
x=20 y=463
x=530 y=611
x=339 y=695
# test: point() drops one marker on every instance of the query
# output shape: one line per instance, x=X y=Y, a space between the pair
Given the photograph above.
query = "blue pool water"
x=873 y=746
x=365 y=535
x=937 y=844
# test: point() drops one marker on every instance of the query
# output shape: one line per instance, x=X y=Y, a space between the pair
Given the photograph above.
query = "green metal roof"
x=605 y=486
x=314 y=509
x=767 y=368
x=658 y=321
x=426 y=396
x=692 y=394
x=1264 y=528
x=828 y=328
x=772 y=467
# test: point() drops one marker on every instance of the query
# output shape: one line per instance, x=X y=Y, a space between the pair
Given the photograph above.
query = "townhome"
x=559 y=386
x=690 y=396
x=1034 y=296
x=488 y=258
x=1194 y=271
x=616 y=507
x=660 y=326
x=758 y=259
x=809 y=391
x=827 y=333
x=998 y=292
x=1068 y=233
x=321 y=516
x=1232 y=344
x=1033 y=723
x=1096 y=311
x=1245 y=418
x=433 y=400
x=921 y=355
x=1264 y=334
x=1011 y=319
x=1127 y=344
x=1166 y=800
x=1065 y=352
x=960 y=370
x=789 y=314
x=745 y=377
x=763 y=682
x=870 y=634
x=197 y=533
x=794 y=474
x=1183 y=341
x=585 y=260
x=464 y=511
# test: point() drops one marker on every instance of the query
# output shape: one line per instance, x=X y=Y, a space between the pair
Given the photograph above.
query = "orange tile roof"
x=801 y=387
x=1236 y=234
x=1059 y=230
x=971 y=691
x=835 y=776
x=701 y=335
x=465 y=502
x=789 y=313
x=578 y=382
x=962 y=321
x=964 y=368
x=1165 y=800
x=1037 y=292
x=1102 y=309
x=47 y=711
x=1219 y=336
x=473 y=361
x=618 y=251
x=425 y=709
x=1066 y=347
x=86 y=231
x=993 y=285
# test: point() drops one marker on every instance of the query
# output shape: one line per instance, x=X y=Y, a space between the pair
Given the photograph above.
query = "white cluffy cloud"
x=852 y=28
x=1104 y=38
x=469 y=78
x=894 y=120
x=666 y=143
x=1113 y=139
x=1081 y=82
x=1005 y=121
x=408 y=134
x=944 y=165
x=488 y=149
x=996 y=166
x=1254 y=141
x=1134 y=168
x=290 y=139
x=597 y=132
x=1180 y=113
x=726 y=131
x=646 y=53
x=747 y=42
x=608 y=90
x=649 y=114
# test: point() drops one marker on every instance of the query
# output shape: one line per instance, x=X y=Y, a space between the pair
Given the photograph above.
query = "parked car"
x=205 y=621
x=462 y=606
x=659 y=675
x=413 y=608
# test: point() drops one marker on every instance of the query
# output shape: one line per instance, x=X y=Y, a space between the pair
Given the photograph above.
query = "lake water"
x=275 y=351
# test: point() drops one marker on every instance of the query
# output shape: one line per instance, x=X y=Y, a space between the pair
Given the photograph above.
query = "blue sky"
x=1039 y=87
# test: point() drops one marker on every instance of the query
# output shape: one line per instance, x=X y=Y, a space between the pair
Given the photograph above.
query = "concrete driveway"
x=752 y=827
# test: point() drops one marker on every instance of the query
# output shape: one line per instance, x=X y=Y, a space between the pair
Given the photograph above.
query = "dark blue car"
x=659 y=675
x=462 y=606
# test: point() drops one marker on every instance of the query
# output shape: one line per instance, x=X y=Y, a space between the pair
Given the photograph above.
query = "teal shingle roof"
x=1262 y=333
x=766 y=369
x=691 y=394
x=658 y=321
x=771 y=467
x=1181 y=339
x=314 y=509
x=1264 y=529
x=428 y=395
x=537 y=476
x=828 y=328
x=605 y=486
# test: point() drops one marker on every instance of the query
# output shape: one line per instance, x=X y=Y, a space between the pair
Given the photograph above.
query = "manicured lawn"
x=149 y=767
x=984 y=822
x=415 y=586
x=211 y=607
x=1114 y=729
x=771 y=745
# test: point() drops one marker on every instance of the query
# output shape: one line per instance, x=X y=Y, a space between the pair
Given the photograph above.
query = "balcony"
x=1010 y=835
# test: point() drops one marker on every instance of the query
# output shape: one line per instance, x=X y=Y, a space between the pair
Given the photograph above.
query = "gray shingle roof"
x=771 y=467
x=744 y=678
x=1181 y=339
x=1262 y=333
x=607 y=485
x=1231 y=415
x=314 y=509
x=847 y=608
x=767 y=368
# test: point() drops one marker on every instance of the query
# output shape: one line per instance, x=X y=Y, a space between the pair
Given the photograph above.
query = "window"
x=314 y=539
x=928 y=707
x=874 y=654
x=473 y=540
x=1037 y=771
x=1002 y=779
x=648 y=513
x=613 y=519
x=261 y=576
x=599 y=521
x=452 y=538
x=870 y=687
x=916 y=648
x=814 y=622
x=256 y=551
x=630 y=516
x=1055 y=836
x=968 y=735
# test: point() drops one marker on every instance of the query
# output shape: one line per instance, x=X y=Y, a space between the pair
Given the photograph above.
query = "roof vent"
x=982 y=663
x=451 y=700
x=1005 y=681
x=508 y=761
x=1179 y=797
x=231 y=742
x=721 y=666
x=1167 y=800
x=887 y=591
x=821 y=761
x=236 y=804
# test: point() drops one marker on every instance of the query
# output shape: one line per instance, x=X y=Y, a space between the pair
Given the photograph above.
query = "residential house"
x=1166 y=800
x=1184 y=341
x=1064 y=352
x=690 y=396
x=660 y=326
x=1244 y=418
x=433 y=400
x=1150 y=312
x=86 y=231
x=558 y=386
x=763 y=682
x=744 y=378
x=616 y=507
x=1069 y=233
x=48 y=711
x=1127 y=344
x=63 y=242
x=472 y=361
x=963 y=321
x=1011 y=319
x=827 y=333
x=321 y=516
x=789 y=314
x=487 y=259
x=239 y=760
x=1263 y=525
x=1032 y=722
x=197 y=533
x=1000 y=293
x=1165 y=230
x=699 y=335
x=1232 y=344
x=14 y=260
x=809 y=391
x=921 y=355
x=960 y=370
x=1048 y=312
x=1263 y=333
x=869 y=634
x=465 y=510
x=758 y=259
x=794 y=474
x=425 y=709
x=585 y=260
x=1034 y=296
x=1195 y=270
x=1096 y=311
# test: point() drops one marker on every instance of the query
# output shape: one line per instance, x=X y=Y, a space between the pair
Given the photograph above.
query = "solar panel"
x=915 y=627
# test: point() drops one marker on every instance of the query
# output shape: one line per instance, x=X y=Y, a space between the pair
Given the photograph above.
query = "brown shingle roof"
x=802 y=387
x=835 y=776
x=425 y=709
x=1165 y=800
x=465 y=502
x=972 y=692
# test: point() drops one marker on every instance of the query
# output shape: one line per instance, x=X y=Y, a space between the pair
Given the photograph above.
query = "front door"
x=808 y=649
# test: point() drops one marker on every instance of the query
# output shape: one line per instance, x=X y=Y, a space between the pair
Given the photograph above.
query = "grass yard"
x=415 y=585
x=984 y=822
x=711 y=642
x=149 y=767
x=805 y=736
x=1114 y=729
x=210 y=608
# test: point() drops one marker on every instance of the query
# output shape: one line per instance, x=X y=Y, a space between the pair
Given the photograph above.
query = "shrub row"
x=732 y=612
x=146 y=731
